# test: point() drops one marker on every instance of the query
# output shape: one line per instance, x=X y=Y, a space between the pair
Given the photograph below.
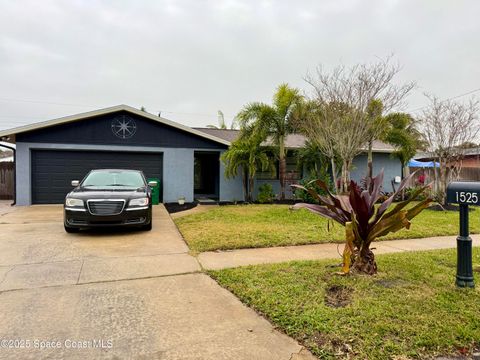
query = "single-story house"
x=186 y=160
x=381 y=156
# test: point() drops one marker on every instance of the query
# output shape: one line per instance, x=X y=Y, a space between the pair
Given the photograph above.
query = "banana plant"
x=364 y=221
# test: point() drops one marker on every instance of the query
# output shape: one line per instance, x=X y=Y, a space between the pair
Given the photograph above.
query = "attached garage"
x=53 y=170
x=52 y=153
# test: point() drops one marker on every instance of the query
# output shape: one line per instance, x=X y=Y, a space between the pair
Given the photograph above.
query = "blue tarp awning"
x=423 y=164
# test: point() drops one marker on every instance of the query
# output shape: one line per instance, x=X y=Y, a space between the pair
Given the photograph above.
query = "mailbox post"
x=464 y=193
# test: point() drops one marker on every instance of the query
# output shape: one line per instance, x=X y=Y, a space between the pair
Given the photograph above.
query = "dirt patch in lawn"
x=337 y=296
x=335 y=346
x=390 y=283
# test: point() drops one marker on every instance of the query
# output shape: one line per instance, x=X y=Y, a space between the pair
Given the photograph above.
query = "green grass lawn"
x=411 y=309
x=250 y=226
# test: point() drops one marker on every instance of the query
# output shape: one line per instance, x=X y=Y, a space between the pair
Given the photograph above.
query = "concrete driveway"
x=122 y=295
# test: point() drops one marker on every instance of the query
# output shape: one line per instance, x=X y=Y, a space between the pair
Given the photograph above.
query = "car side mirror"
x=75 y=183
x=152 y=183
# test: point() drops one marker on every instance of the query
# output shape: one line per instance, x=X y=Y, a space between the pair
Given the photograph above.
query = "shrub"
x=411 y=191
x=265 y=194
x=363 y=221
x=302 y=193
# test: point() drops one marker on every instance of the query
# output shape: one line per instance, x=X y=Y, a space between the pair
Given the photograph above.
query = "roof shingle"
x=293 y=141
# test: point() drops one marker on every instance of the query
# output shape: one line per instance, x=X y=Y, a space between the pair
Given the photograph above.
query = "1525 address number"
x=466 y=197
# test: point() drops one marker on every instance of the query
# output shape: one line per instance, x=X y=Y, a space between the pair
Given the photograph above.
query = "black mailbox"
x=464 y=193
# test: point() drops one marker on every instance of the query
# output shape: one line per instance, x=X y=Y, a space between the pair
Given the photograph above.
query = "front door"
x=206 y=175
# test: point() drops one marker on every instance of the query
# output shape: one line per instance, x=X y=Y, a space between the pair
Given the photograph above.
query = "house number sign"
x=465 y=197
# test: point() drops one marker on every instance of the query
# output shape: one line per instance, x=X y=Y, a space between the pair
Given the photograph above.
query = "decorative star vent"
x=124 y=127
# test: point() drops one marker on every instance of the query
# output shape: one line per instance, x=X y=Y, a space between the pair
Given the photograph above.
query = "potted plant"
x=181 y=200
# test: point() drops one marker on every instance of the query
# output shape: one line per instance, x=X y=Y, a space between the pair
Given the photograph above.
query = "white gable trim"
x=89 y=114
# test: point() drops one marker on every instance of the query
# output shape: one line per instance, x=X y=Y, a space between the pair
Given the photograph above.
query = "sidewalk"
x=215 y=260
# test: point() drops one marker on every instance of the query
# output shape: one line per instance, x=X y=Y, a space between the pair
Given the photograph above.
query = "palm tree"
x=221 y=122
x=274 y=122
x=247 y=154
x=405 y=137
x=311 y=159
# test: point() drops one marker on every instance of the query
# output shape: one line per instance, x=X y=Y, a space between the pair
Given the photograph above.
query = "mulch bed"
x=175 y=207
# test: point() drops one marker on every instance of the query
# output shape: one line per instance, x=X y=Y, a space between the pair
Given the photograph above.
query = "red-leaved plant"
x=363 y=220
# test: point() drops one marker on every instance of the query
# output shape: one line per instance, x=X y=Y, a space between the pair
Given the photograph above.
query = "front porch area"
x=206 y=177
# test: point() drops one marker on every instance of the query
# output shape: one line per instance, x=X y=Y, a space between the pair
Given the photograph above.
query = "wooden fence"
x=470 y=173
x=6 y=180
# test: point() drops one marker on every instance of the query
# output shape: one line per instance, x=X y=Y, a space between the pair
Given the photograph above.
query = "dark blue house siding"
x=98 y=130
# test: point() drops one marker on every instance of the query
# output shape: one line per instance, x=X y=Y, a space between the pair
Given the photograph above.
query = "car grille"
x=103 y=207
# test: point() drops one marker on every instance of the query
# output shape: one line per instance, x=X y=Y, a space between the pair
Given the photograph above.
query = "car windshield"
x=114 y=178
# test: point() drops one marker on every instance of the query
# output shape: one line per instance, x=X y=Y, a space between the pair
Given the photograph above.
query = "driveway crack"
x=5 y=275
x=80 y=272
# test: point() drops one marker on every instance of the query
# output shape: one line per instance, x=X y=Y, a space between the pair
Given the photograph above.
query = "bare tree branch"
x=343 y=97
x=447 y=126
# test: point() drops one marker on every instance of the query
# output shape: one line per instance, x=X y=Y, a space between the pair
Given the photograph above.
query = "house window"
x=292 y=171
x=268 y=175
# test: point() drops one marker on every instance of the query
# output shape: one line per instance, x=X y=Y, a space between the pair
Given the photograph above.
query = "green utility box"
x=155 y=191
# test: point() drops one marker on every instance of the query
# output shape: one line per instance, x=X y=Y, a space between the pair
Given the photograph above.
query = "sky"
x=189 y=59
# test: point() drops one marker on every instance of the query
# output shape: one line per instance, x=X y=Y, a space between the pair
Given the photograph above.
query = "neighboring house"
x=6 y=171
x=50 y=154
x=7 y=158
x=6 y=153
x=469 y=165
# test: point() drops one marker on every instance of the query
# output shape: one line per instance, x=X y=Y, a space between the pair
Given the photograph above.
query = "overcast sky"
x=189 y=59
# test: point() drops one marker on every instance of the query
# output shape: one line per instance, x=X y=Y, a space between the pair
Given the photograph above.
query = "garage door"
x=53 y=171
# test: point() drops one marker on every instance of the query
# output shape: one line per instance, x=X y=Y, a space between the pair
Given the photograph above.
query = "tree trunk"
x=357 y=256
x=406 y=171
x=245 y=185
x=370 y=160
x=442 y=183
x=250 y=188
x=334 y=174
x=282 y=165
x=364 y=261
x=345 y=176
x=403 y=175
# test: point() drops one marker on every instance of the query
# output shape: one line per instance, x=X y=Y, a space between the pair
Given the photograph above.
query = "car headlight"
x=73 y=202
x=139 y=202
